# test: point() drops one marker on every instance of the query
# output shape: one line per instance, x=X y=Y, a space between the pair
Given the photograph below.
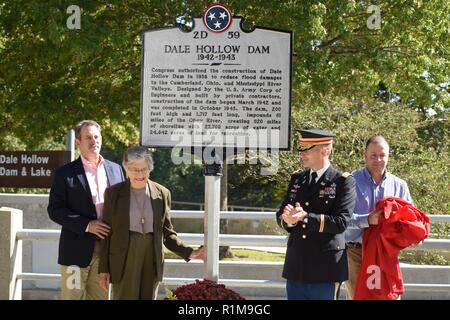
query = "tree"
x=354 y=121
x=52 y=77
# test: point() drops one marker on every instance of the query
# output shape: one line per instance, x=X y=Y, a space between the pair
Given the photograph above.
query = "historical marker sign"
x=30 y=169
x=216 y=85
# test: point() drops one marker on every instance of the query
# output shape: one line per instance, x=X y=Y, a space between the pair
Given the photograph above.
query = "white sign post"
x=217 y=86
x=212 y=220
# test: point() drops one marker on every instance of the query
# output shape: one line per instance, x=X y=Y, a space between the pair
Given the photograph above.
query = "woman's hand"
x=198 y=254
x=104 y=280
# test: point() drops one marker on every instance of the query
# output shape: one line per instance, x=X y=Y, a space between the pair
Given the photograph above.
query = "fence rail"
x=257 y=215
x=234 y=240
x=243 y=283
x=237 y=240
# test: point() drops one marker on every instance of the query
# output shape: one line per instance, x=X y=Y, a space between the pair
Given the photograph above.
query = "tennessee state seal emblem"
x=217 y=18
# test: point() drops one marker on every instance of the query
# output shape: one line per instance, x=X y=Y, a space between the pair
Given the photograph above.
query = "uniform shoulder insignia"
x=346 y=174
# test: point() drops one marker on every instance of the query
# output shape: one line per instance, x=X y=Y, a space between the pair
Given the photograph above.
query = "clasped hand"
x=292 y=215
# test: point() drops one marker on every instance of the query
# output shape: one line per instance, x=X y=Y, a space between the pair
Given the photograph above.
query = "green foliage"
x=170 y=295
x=185 y=181
x=247 y=187
x=52 y=77
x=425 y=171
x=440 y=230
x=429 y=257
x=243 y=255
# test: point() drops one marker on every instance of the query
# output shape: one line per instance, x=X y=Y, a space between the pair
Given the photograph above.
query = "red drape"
x=400 y=226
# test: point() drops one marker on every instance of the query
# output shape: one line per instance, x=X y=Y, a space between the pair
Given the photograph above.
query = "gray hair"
x=135 y=154
x=84 y=123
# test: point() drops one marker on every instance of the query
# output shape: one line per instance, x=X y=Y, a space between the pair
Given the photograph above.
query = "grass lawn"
x=255 y=255
x=242 y=255
x=430 y=257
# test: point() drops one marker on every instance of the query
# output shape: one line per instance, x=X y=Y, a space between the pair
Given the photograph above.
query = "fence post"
x=11 y=220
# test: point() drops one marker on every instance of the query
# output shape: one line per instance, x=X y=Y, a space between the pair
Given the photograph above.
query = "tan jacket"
x=116 y=213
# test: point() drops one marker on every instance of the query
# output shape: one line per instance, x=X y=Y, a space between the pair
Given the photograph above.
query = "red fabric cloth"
x=400 y=226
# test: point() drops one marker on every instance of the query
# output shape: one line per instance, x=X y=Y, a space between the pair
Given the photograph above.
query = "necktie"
x=313 y=179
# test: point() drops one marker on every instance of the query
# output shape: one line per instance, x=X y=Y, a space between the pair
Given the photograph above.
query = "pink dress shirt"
x=98 y=182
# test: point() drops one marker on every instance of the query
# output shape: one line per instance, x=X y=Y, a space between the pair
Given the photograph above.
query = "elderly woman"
x=137 y=211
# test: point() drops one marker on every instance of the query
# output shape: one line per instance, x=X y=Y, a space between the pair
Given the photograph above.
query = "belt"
x=353 y=244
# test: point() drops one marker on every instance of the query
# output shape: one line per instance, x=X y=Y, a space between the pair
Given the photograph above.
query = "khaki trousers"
x=354 y=257
x=139 y=275
x=83 y=283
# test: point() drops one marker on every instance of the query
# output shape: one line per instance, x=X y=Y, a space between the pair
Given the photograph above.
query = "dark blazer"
x=316 y=247
x=116 y=213
x=70 y=205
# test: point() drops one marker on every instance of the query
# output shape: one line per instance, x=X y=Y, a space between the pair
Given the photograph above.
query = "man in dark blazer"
x=76 y=203
x=316 y=211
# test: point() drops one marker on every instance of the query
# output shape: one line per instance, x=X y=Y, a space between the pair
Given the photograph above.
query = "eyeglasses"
x=137 y=171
